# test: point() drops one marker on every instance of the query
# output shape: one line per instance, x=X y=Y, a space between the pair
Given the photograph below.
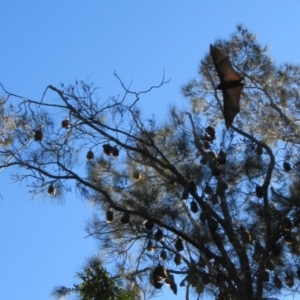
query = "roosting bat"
x=230 y=84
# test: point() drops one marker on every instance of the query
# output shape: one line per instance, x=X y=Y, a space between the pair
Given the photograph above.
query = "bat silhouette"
x=230 y=84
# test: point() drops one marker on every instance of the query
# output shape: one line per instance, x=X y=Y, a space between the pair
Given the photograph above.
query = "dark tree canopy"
x=184 y=203
x=96 y=284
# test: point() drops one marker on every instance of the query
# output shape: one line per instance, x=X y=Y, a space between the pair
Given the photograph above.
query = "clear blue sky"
x=48 y=42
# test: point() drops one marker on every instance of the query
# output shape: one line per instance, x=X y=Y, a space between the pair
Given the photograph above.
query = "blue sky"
x=49 y=42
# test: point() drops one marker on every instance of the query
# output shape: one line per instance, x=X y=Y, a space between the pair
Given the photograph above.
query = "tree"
x=96 y=284
x=217 y=208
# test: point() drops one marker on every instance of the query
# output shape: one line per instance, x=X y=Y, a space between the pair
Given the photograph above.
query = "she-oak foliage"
x=209 y=210
x=96 y=284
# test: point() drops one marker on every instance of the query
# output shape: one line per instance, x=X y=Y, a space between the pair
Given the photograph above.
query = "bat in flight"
x=230 y=84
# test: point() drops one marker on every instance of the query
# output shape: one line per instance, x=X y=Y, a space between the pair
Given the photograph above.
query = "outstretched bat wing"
x=230 y=85
x=231 y=98
x=223 y=66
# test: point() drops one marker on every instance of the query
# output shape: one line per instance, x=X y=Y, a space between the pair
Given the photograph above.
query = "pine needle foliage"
x=242 y=241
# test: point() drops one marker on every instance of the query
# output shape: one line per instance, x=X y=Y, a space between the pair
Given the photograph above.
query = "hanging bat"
x=230 y=84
